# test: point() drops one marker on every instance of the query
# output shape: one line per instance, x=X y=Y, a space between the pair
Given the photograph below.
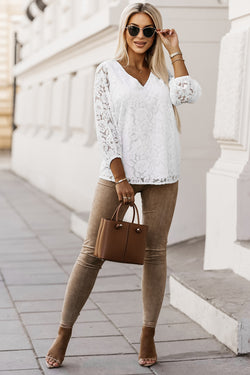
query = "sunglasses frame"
x=141 y=28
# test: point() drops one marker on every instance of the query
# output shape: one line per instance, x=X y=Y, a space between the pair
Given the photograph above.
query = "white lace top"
x=137 y=123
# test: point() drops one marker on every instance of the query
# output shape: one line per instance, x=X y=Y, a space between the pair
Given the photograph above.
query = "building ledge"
x=104 y=21
x=218 y=300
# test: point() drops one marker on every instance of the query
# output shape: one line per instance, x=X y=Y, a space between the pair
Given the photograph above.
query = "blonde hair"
x=154 y=55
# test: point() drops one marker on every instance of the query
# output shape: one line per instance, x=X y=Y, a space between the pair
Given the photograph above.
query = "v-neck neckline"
x=143 y=86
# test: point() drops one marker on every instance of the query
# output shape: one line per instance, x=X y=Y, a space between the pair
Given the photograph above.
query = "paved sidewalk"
x=37 y=252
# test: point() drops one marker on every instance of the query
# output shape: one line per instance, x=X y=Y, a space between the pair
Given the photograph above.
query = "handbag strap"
x=137 y=212
x=116 y=212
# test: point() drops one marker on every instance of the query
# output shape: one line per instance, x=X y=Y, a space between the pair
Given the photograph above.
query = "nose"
x=141 y=33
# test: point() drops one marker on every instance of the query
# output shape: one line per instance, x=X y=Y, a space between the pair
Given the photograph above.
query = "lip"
x=140 y=44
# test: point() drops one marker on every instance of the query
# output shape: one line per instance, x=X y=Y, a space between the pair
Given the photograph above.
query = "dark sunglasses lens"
x=148 y=32
x=133 y=30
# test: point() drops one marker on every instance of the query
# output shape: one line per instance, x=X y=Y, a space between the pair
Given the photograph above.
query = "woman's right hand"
x=124 y=189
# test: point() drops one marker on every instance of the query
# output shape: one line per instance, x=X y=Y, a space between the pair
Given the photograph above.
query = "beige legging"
x=158 y=204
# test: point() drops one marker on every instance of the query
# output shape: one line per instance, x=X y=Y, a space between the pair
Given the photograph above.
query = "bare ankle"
x=148 y=331
x=63 y=331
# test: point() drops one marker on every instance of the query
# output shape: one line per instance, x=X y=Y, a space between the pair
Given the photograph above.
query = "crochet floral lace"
x=137 y=124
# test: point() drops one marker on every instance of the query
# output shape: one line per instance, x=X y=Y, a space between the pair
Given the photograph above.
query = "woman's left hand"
x=169 y=39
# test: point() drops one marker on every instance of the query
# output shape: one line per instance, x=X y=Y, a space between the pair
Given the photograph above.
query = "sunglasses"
x=148 y=31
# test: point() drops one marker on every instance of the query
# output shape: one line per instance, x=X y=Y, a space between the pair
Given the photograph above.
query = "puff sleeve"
x=183 y=89
x=106 y=128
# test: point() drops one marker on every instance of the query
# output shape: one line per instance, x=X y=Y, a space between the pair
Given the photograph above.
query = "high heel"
x=59 y=346
x=147 y=356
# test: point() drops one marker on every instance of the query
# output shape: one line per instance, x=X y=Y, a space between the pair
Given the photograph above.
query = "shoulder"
x=105 y=66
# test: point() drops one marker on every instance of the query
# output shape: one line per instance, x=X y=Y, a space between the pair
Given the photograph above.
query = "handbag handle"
x=116 y=212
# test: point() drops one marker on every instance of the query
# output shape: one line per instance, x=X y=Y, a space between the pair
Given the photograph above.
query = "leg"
x=158 y=204
x=87 y=266
x=85 y=270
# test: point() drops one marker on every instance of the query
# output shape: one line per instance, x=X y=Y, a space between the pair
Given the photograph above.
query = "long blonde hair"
x=154 y=56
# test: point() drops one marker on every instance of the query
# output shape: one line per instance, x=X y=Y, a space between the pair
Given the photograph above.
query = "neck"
x=135 y=59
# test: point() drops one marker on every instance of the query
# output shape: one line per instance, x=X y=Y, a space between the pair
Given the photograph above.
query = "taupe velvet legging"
x=158 y=204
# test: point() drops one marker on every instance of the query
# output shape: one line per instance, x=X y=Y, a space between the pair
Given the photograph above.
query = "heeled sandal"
x=143 y=360
x=147 y=362
x=54 y=359
x=49 y=357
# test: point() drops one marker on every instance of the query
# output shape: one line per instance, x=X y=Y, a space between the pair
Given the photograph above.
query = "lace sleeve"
x=106 y=129
x=183 y=89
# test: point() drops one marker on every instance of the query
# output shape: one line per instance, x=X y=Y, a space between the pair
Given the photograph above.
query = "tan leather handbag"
x=121 y=241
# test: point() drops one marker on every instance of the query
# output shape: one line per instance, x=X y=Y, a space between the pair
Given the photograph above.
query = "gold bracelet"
x=177 y=60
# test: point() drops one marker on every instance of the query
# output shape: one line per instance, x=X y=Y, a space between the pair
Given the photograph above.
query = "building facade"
x=218 y=296
x=10 y=13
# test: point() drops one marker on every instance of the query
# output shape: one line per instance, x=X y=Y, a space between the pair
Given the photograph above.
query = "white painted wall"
x=54 y=146
x=228 y=181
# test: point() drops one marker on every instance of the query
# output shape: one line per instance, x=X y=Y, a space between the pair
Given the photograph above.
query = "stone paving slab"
x=42 y=227
x=54 y=317
x=113 y=269
x=36 y=205
x=84 y=329
x=18 y=360
x=106 y=270
x=7 y=258
x=24 y=278
x=73 y=251
x=14 y=342
x=108 y=284
x=50 y=230
x=12 y=226
x=3 y=202
x=190 y=349
x=83 y=346
x=35 y=292
x=21 y=372
x=67 y=267
x=8 y=314
x=99 y=365
x=11 y=327
x=47 y=305
x=121 y=302
x=51 y=202
x=60 y=239
x=13 y=336
x=66 y=258
x=45 y=266
x=5 y=300
x=214 y=366
x=45 y=219
x=168 y=332
x=167 y=315
x=21 y=245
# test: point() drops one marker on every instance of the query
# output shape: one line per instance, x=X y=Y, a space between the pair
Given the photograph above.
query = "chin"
x=139 y=50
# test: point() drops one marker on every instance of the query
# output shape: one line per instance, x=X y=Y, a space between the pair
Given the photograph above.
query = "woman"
x=137 y=127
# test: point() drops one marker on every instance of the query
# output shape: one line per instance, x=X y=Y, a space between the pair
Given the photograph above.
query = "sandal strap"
x=50 y=357
x=147 y=359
